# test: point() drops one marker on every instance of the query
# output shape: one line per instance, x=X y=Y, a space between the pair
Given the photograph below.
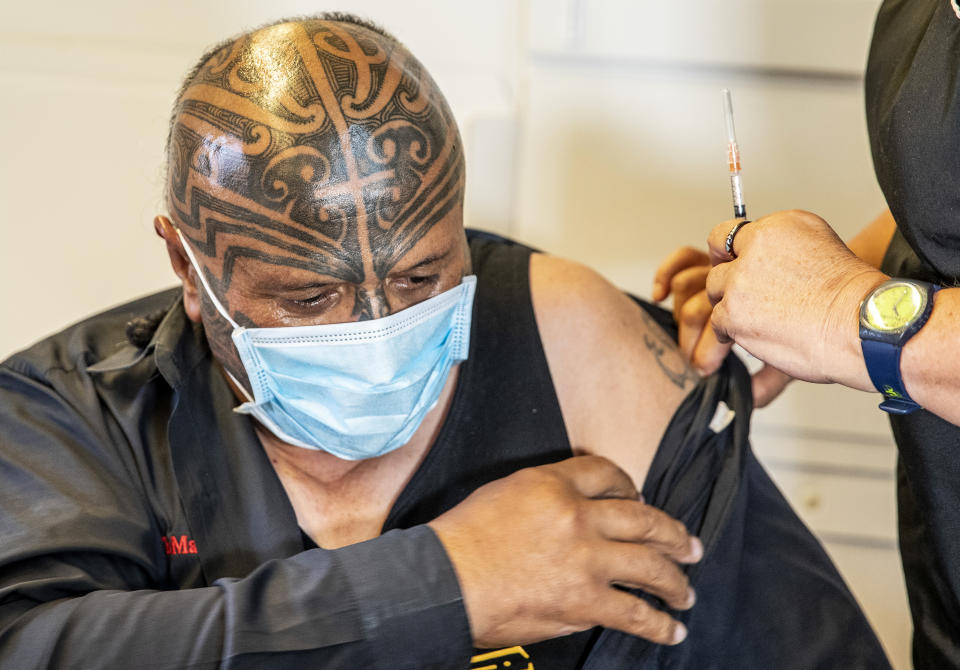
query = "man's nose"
x=370 y=303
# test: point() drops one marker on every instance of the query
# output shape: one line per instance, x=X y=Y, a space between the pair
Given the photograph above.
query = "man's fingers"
x=692 y=318
x=596 y=477
x=768 y=382
x=627 y=613
x=697 y=339
x=682 y=258
x=717 y=281
x=717 y=240
x=718 y=322
x=716 y=288
x=709 y=352
x=640 y=567
x=686 y=284
x=633 y=521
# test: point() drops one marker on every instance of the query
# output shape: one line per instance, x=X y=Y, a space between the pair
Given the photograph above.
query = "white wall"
x=592 y=130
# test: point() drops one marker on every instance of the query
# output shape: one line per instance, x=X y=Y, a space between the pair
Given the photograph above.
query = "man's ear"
x=181 y=265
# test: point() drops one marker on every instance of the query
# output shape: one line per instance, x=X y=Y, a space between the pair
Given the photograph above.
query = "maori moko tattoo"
x=315 y=144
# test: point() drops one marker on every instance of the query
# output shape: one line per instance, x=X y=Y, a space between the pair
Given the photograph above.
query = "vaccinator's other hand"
x=683 y=274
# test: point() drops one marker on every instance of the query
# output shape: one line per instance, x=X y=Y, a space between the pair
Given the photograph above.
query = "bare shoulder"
x=619 y=378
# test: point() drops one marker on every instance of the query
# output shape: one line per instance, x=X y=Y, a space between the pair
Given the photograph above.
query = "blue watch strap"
x=883 y=365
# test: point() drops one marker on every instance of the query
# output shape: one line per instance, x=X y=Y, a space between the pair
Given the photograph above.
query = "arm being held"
x=683 y=274
x=792 y=298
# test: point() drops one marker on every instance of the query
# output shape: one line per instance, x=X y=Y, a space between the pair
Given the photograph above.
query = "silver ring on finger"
x=728 y=246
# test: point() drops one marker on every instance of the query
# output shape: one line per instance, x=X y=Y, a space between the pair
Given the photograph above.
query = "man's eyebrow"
x=429 y=260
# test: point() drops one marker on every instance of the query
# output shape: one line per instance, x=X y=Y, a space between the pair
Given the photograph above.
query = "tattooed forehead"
x=316 y=144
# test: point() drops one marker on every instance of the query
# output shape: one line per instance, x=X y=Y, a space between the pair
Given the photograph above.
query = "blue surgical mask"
x=356 y=390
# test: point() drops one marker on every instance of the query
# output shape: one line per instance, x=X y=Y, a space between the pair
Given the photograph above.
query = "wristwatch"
x=890 y=315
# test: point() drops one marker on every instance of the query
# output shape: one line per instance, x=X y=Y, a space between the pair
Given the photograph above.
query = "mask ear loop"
x=216 y=304
x=203 y=279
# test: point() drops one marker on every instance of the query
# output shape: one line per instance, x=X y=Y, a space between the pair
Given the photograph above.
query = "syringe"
x=733 y=158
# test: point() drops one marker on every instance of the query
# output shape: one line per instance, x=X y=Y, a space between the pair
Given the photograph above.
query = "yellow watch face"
x=893 y=306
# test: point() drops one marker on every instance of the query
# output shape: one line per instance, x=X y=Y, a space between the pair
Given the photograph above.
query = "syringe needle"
x=733 y=157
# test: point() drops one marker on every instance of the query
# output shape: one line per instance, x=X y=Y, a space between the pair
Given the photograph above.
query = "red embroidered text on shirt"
x=174 y=545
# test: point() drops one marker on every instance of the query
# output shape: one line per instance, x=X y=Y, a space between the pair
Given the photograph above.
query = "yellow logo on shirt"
x=512 y=658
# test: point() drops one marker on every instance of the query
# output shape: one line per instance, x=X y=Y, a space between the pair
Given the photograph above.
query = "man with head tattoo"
x=357 y=436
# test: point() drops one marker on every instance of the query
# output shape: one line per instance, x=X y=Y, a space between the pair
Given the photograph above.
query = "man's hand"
x=538 y=553
x=684 y=274
x=791 y=296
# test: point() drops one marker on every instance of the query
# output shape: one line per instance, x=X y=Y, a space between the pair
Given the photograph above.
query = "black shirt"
x=143 y=526
x=913 y=114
